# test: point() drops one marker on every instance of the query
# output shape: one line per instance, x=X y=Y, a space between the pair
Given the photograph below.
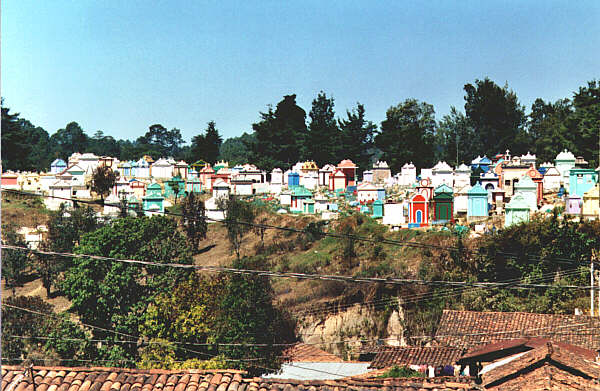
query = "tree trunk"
x=47 y=285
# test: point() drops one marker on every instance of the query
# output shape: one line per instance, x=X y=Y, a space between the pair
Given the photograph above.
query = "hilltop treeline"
x=492 y=121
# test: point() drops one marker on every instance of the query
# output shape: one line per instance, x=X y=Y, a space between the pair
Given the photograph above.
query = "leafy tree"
x=279 y=135
x=585 y=122
x=213 y=141
x=402 y=372
x=39 y=157
x=236 y=150
x=211 y=312
x=175 y=187
x=357 y=137
x=63 y=339
x=193 y=219
x=13 y=145
x=206 y=146
x=159 y=142
x=103 y=181
x=123 y=206
x=455 y=139
x=496 y=116
x=525 y=252
x=322 y=141
x=407 y=134
x=65 y=228
x=24 y=146
x=14 y=262
x=115 y=295
x=129 y=150
x=246 y=314
x=549 y=128
x=186 y=314
x=69 y=140
x=238 y=217
x=103 y=145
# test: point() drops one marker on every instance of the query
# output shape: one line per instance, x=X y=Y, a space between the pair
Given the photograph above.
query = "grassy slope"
x=285 y=251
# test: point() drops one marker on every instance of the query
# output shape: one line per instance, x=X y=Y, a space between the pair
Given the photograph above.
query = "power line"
x=251 y=360
x=307 y=276
x=105 y=329
x=423 y=296
x=296 y=230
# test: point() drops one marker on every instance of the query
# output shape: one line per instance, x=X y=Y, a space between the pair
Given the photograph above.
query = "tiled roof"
x=309 y=353
x=548 y=367
x=435 y=356
x=118 y=379
x=347 y=163
x=470 y=329
x=505 y=348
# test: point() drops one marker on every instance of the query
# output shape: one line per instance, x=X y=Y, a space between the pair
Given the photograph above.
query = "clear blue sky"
x=120 y=66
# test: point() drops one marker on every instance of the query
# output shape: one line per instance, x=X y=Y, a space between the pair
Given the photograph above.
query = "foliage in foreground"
x=207 y=314
x=403 y=371
x=45 y=340
x=114 y=295
x=544 y=250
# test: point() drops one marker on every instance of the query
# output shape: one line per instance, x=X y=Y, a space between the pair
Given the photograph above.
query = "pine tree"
x=356 y=135
x=322 y=143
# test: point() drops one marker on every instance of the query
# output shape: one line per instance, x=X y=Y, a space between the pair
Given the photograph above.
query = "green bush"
x=403 y=371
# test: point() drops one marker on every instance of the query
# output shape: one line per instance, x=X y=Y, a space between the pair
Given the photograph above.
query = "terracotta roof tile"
x=435 y=356
x=115 y=379
x=309 y=353
x=523 y=372
x=470 y=329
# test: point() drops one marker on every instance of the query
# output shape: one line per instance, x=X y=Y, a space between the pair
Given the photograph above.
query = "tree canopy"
x=493 y=120
x=103 y=180
x=114 y=294
x=357 y=137
x=206 y=146
x=279 y=135
x=407 y=134
x=497 y=117
x=323 y=137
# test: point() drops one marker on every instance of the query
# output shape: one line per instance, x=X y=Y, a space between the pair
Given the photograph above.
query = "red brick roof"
x=347 y=163
x=548 y=367
x=435 y=356
x=469 y=329
x=504 y=348
x=309 y=353
x=119 y=379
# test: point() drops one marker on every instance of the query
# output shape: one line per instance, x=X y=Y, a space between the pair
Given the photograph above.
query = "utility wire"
x=301 y=231
x=307 y=276
x=427 y=295
x=252 y=360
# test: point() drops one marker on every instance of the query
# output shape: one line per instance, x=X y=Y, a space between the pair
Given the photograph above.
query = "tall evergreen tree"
x=548 y=128
x=455 y=140
x=235 y=150
x=212 y=142
x=322 y=143
x=13 y=146
x=160 y=142
x=356 y=137
x=497 y=117
x=103 y=145
x=206 y=146
x=585 y=122
x=407 y=134
x=69 y=140
x=279 y=135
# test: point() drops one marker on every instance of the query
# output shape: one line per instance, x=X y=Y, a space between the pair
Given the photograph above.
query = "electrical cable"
x=307 y=276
